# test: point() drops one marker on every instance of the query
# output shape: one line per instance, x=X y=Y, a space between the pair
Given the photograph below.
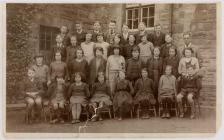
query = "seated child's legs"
x=92 y=107
x=30 y=102
x=179 y=102
x=62 y=104
x=76 y=111
x=190 y=100
x=38 y=102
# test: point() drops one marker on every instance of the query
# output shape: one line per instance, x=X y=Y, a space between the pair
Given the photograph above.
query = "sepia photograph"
x=111 y=69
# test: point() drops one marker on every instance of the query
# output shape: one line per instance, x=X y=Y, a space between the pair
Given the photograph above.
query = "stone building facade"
x=200 y=19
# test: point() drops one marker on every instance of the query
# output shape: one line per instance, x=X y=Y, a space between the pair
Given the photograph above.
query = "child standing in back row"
x=146 y=48
x=88 y=47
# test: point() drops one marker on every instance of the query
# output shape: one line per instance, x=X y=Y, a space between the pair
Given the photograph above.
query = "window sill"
x=147 y=29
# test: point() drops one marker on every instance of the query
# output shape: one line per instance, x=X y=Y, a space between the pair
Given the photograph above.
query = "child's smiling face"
x=172 y=52
x=168 y=70
x=156 y=52
x=39 y=60
x=100 y=38
x=125 y=28
x=135 y=53
x=141 y=26
x=187 y=53
x=31 y=73
x=168 y=38
x=59 y=39
x=88 y=37
x=131 y=38
x=78 y=78
x=96 y=26
x=144 y=74
x=58 y=56
x=144 y=39
x=79 y=54
x=73 y=40
x=117 y=40
x=101 y=78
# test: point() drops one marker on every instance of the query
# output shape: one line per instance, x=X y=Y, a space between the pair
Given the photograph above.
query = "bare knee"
x=190 y=98
x=179 y=97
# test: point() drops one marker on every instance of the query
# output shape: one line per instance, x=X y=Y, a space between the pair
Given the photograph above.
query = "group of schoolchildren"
x=96 y=70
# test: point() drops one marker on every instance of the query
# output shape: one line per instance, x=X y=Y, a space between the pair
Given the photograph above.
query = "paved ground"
x=206 y=124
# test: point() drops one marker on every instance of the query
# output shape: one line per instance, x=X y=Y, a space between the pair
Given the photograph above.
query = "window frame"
x=140 y=7
x=47 y=30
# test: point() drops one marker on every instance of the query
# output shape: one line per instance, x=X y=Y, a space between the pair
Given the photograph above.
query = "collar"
x=79 y=31
x=187 y=46
x=142 y=32
x=156 y=57
x=96 y=31
x=59 y=45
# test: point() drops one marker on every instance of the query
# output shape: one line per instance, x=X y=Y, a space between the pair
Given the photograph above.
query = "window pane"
x=129 y=24
x=48 y=45
x=151 y=11
x=42 y=45
x=145 y=12
x=135 y=24
x=151 y=22
x=48 y=36
x=129 y=14
x=136 y=13
x=145 y=21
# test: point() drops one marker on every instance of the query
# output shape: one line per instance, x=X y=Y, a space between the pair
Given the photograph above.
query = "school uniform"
x=155 y=70
x=96 y=65
x=122 y=101
x=128 y=50
x=144 y=89
x=41 y=73
x=167 y=86
x=146 y=50
x=105 y=47
x=57 y=94
x=133 y=69
x=58 y=69
x=101 y=93
x=157 y=40
x=124 y=39
x=66 y=40
x=88 y=50
x=31 y=86
x=172 y=61
x=81 y=36
x=58 y=48
x=76 y=66
x=78 y=94
x=94 y=36
x=71 y=53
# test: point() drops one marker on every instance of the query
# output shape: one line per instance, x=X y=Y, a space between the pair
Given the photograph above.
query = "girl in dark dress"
x=129 y=46
x=122 y=101
x=100 y=95
x=144 y=88
x=78 y=93
x=155 y=68
x=172 y=60
x=134 y=66
x=79 y=64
